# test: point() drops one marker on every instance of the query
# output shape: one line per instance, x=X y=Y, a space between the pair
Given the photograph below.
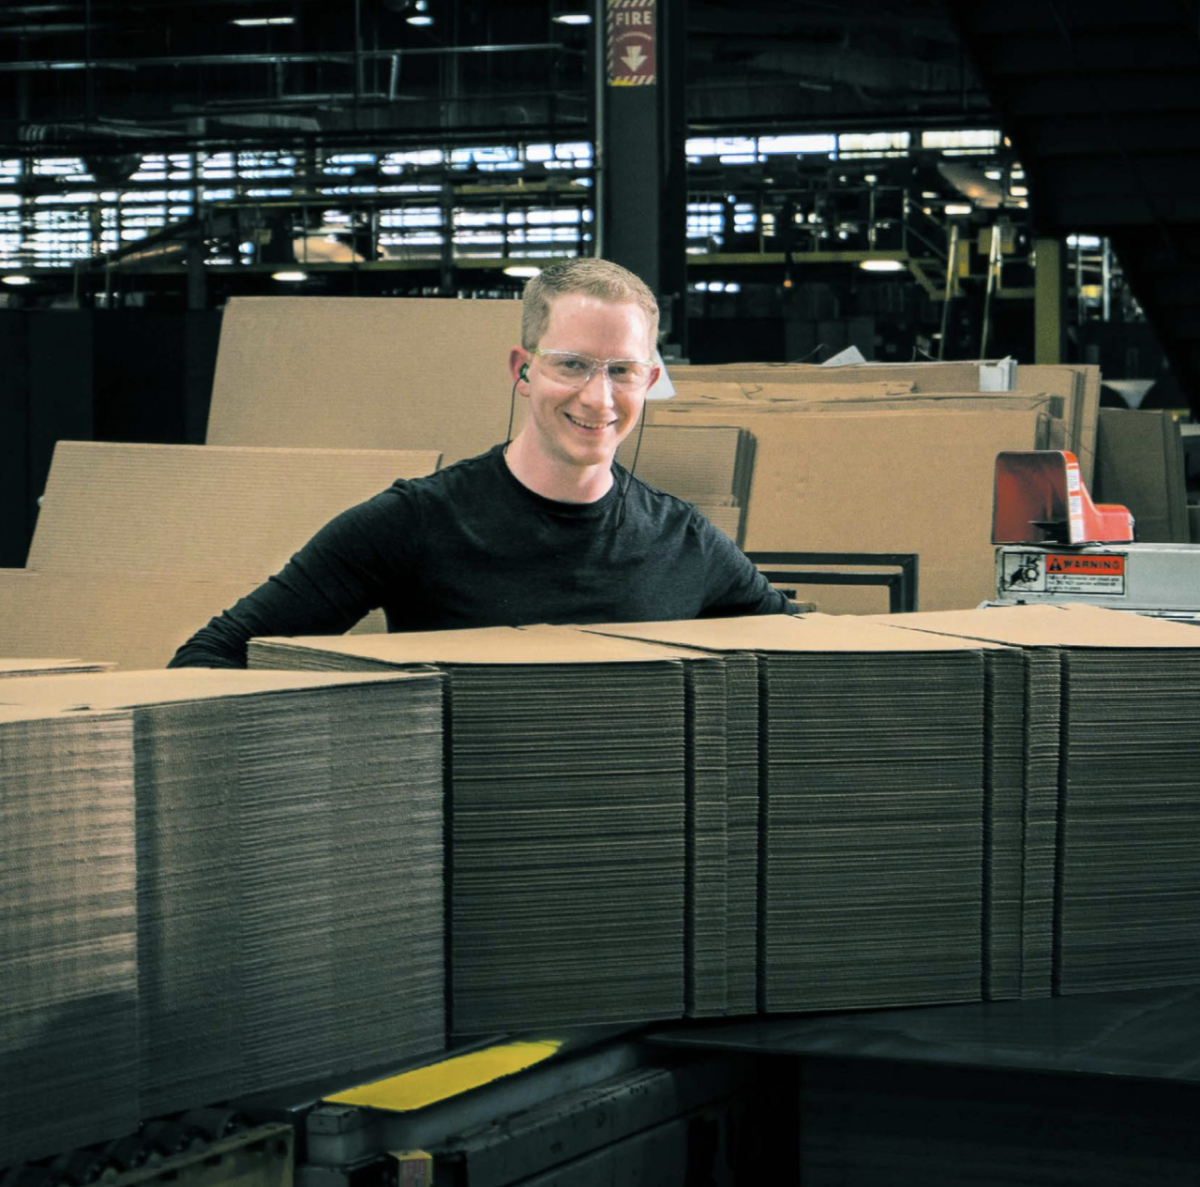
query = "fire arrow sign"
x=631 y=42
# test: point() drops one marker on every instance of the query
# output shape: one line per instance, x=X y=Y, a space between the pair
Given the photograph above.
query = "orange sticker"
x=1086 y=566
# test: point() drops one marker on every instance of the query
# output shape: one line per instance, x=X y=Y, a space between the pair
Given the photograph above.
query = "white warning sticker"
x=1063 y=573
x=1105 y=574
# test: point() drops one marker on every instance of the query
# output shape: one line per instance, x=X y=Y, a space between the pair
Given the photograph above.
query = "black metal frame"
x=901 y=585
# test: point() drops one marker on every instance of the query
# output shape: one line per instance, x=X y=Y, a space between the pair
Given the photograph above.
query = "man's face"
x=583 y=425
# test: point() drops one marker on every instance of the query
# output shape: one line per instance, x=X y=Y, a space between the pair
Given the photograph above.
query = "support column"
x=1048 y=300
x=641 y=163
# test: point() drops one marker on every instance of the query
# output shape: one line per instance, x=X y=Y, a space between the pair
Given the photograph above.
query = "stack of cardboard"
x=68 y=959
x=137 y=546
x=1140 y=465
x=566 y=815
x=46 y=667
x=707 y=821
x=708 y=466
x=289 y=885
x=1126 y=885
x=871 y=810
x=885 y=458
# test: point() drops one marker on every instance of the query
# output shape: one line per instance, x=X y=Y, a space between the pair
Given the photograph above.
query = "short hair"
x=591 y=277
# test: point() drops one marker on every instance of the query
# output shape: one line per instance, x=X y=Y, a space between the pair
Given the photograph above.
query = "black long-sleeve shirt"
x=470 y=546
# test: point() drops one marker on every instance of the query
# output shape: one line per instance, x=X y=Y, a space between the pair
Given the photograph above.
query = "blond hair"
x=593 y=278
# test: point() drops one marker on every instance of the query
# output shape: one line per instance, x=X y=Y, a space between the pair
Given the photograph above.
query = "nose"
x=597 y=391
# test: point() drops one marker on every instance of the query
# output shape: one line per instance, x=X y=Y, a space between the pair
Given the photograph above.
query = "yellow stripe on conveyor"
x=426 y=1086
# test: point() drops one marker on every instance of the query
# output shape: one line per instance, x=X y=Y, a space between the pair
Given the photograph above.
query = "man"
x=545 y=528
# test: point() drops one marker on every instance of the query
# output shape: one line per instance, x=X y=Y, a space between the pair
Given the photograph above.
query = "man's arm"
x=733 y=584
x=340 y=575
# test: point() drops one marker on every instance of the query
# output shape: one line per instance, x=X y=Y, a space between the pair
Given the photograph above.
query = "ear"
x=518 y=361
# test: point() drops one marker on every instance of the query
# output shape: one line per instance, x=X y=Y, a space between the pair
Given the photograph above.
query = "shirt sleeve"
x=340 y=575
x=733 y=584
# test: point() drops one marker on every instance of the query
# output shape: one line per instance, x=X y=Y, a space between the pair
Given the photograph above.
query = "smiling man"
x=545 y=528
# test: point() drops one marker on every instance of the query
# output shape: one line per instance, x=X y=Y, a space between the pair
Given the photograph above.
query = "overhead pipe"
x=272 y=58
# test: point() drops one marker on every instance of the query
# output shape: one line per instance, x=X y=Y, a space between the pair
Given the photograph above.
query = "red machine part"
x=1040 y=498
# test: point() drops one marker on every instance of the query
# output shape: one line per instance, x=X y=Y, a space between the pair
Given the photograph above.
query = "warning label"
x=1064 y=573
x=1067 y=573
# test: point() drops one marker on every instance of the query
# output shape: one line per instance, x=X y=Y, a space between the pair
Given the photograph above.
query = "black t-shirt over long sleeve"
x=470 y=546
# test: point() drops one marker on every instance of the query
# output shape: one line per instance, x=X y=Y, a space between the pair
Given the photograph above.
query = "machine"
x=1056 y=545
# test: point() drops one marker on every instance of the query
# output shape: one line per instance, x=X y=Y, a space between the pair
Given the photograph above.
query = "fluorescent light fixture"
x=572 y=18
x=16 y=280
x=882 y=265
x=421 y=19
x=290 y=277
x=956 y=208
x=1019 y=191
x=521 y=271
x=255 y=22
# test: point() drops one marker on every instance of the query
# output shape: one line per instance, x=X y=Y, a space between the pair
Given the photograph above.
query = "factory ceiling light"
x=882 y=266
x=289 y=277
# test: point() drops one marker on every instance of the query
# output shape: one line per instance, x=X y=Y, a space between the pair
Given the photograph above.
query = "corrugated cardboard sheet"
x=839 y=767
x=1126 y=821
x=200 y=511
x=365 y=373
x=567 y=860
x=289 y=900
x=46 y=667
x=68 y=955
x=1140 y=466
x=127 y=619
x=917 y=482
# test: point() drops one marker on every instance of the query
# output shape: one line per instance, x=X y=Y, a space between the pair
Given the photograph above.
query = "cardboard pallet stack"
x=68 y=931
x=871 y=810
x=1126 y=887
x=289 y=898
x=566 y=827
x=883 y=458
x=137 y=546
x=711 y=742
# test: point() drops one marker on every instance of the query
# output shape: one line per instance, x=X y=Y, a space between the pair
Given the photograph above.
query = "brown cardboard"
x=130 y=619
x=793 y=400
x=133 y=621
x=478 y=646
x=778 y=633
x=699 y=464
x=732 y=391
x=140 y=689
x=1054 y=626
x=207 y=512
x=47 y=667
x=881 y=482
x=1079 y=387
x=1139 y=465
x=364 y=373
x=925 y=377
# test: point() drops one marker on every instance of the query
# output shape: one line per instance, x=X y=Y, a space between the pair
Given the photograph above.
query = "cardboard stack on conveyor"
x=1126 y=882
x=137 y=546
x=871 y=816
x=289 y=872
x=711 y=741
x=566 y=816
x=68 y=928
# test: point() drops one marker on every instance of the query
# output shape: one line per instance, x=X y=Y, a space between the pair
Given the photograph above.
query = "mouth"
x=588 y=426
